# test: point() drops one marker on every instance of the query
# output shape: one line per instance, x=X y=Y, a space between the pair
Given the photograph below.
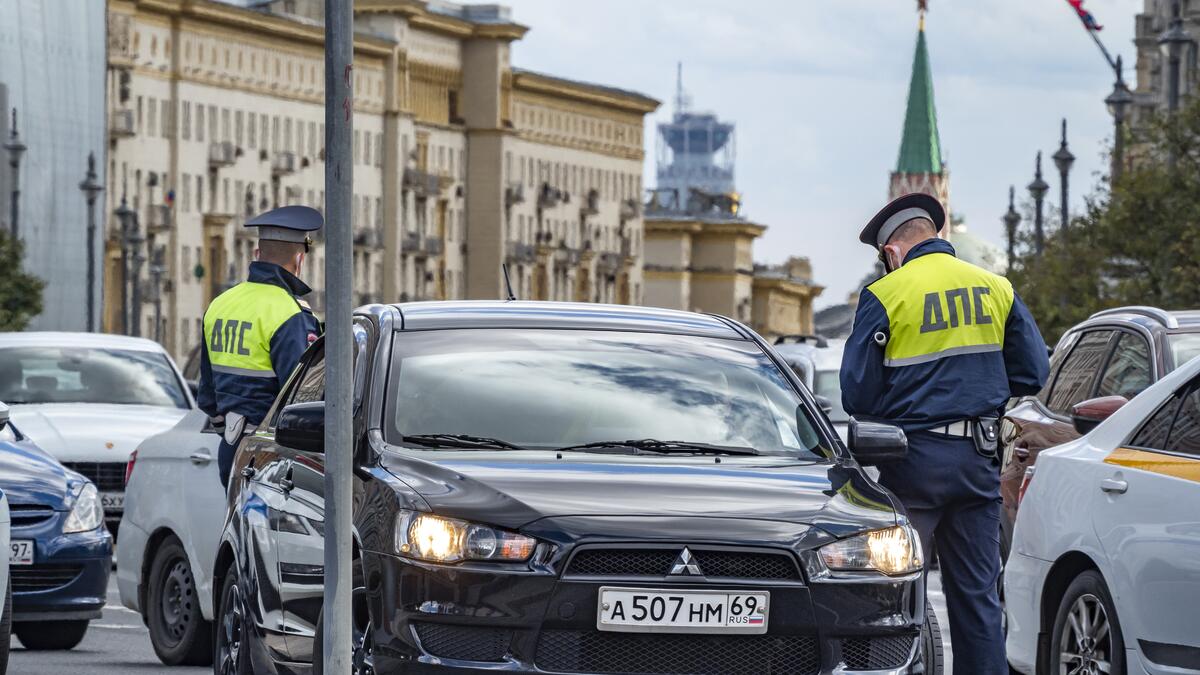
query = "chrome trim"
x=1160 y=315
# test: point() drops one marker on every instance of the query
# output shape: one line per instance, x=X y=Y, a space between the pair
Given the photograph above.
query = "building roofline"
x=587 y=92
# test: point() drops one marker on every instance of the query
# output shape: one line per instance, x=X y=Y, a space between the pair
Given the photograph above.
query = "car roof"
x=80 y=339
x=574 y=315
x=1150 y=318
x=828 y=357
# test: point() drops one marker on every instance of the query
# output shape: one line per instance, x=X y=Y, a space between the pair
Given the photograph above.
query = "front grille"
x=466 y=643
x=597 y=652
x=31 y=578
x=652 y=562
x=107 y=476
x=876 y=653
x=24 y=515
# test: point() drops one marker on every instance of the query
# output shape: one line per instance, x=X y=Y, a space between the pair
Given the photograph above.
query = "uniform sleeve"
x=1025 y=355
x=862 y=360
x=206 y=394
x=288 y=344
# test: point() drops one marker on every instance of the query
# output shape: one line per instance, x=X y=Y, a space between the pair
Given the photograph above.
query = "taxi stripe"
x=1176 y=466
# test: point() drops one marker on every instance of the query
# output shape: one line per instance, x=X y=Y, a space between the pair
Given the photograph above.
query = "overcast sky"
x=818 y=90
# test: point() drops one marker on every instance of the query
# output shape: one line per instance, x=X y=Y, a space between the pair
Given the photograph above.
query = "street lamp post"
x=158 y=267
x=125 y=216
x=1063 y=159
x=138 y=258
x=91 y=189
x=1038 y=189
x=1011 y=220
x=1172 y=42
x=1118 y=103
x=15 y=149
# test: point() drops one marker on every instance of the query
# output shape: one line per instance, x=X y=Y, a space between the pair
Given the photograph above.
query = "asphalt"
x=118 y=644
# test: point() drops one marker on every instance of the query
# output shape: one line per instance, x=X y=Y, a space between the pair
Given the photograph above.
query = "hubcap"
x=1086 y=644
x=178 y=599
x=231 y=633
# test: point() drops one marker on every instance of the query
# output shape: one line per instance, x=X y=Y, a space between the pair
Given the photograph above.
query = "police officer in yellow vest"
x=256 y=331
x=938 y=347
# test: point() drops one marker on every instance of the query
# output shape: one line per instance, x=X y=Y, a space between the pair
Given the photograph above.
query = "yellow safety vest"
x=239 y=325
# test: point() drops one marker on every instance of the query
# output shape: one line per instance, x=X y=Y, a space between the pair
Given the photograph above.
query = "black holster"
x=986 y=433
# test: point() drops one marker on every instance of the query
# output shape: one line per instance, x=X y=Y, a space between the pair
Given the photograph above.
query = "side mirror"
x=873 y=443
x=302 y=426
x=1087 y=415
x=824 y=402
x=3 y=416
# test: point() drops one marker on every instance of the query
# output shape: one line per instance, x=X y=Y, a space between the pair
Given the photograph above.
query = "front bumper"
x=481 y=618
x=68 y=579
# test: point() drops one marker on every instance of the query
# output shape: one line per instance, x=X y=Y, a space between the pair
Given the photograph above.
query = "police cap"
x=287 y=223
x=900 y=211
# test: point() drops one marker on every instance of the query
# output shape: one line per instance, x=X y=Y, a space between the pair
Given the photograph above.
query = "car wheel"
x=231 y=651
x=932 y=647
x=50 y=635
x=178 y=631
x=362 y=645
x=1087 y=635
x=5 y=627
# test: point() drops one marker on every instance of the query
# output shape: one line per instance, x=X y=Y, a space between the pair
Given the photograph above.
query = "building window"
x=151 y=117
x=252 y=131
x=237 y=128
x=312 y=142
x=200 y=123
x=200 y=194
x=185 y=125
x=186 y=193
x=168 y=126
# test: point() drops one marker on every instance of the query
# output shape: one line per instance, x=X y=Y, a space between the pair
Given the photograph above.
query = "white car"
x=5 y=587
x=817 y=361
x=168 y=539
x=1104 y=573
x=89 y=399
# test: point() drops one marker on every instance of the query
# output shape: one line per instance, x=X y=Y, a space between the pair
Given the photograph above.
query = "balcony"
x=627 y=249
x=514 y=194
x=283 y=163
x=609 y=263
x=433 y=246
x=591 y=203
x=158 y=218
x=221 y=154
x=516 y=252
x=550 y=196
x=120 y=124
x=411 y=242
x=566 y=257
x=368 y=237
x=630 y=209
x=422 y=183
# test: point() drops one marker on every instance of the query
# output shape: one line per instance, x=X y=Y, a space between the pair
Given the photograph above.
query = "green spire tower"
x=920 y=167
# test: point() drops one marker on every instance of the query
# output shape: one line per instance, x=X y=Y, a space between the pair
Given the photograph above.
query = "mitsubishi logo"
x=686 y=565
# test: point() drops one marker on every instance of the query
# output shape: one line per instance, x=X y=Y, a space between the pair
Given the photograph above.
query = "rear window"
x=1184 y=347
x=1078 y=372
x=545 y=389
x=88 y=375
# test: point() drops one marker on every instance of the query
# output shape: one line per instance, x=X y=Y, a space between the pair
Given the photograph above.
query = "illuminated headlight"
x=87 y=513
x=433 y=538
x=892 y=551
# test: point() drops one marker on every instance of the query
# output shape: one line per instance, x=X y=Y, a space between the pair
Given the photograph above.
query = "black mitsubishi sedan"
x=569 y=488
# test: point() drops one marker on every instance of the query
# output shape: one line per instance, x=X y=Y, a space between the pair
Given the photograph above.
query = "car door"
x=1146 y=514
x=203 y=509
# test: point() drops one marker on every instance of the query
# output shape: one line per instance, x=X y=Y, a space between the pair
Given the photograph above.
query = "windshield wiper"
x=666 y=447
x=459 y=441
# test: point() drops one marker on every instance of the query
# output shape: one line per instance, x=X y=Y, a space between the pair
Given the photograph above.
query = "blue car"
x=60 y=553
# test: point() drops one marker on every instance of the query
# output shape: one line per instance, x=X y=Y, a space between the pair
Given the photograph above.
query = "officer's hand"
x=217 y=422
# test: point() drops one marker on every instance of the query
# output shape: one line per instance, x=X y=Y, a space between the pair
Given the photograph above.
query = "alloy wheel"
x=229 y=653
x=178 y=596
x=1086 y=644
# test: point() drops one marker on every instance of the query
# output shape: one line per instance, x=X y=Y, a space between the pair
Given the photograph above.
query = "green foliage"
x=1138 y=244
x=20 y=293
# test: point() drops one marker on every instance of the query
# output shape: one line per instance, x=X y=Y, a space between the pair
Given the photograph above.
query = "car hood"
x=513 y=488
x=92 y=432
x=30 y=476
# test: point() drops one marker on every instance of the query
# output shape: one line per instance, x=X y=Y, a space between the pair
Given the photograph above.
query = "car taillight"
x=129 y=466
x=1025 y=481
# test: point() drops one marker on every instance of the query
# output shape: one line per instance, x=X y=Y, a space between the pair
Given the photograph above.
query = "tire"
x=5 y=627
x=932 y=647
x=50 y=635
x=1085 y=597
x=231 y=651
x=178 y=631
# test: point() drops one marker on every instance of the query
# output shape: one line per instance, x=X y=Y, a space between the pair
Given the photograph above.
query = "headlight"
x=87 y=513
x=895 y=550
x=428 y=537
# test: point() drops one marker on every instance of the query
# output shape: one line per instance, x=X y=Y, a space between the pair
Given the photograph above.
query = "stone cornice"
x=581 y=91
x=419 y=16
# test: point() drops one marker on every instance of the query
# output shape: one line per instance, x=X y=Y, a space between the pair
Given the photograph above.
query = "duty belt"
x=961 y=428
x=983 y=430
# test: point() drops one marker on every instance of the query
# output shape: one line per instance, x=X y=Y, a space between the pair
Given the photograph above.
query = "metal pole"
x=91 y=188
x=339 y=185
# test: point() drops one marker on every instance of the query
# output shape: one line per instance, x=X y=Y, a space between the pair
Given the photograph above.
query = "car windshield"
x=88 y=375
x=828 y=383
x=549 y=389
x=1184 y=347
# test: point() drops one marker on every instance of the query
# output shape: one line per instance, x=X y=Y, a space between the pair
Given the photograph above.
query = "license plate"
x=20 y=552
x=112 y=501
x=642 y=610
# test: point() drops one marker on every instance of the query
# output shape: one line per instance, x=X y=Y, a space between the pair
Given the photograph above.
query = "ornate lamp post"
x=130 y=244
x=1063 y=159
x=158 y=267
x=1038 y=189
x=91 y=189
x=1011 y=220
x=15 y=149
x=1172 y=42
x=1118 y=103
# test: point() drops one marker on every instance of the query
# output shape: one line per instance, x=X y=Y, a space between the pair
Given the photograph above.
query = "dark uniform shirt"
x=959 y=344
x=255 y=334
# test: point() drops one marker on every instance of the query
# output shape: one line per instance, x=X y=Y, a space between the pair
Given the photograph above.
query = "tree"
x=1136 y=244
x=20 y=293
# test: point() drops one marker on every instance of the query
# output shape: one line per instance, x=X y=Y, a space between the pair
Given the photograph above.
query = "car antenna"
x=507 y=283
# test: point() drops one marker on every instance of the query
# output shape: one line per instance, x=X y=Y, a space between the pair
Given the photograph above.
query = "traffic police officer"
x=938 y=347
x=256 y=331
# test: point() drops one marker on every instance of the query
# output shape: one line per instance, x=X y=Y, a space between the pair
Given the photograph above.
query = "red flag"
x=1089 y=21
